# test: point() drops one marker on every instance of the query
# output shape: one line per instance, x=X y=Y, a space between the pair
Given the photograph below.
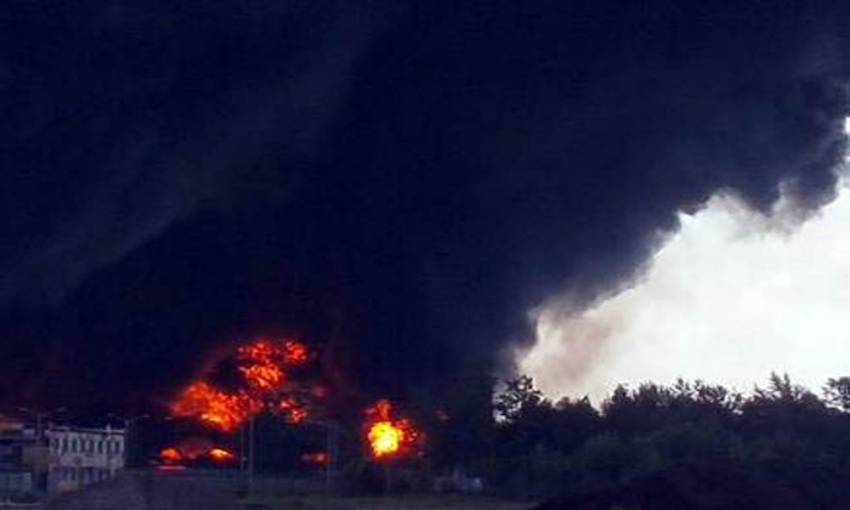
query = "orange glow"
x=295 y=353
x=263 y=362
x=292 y=411
x=321 y=458
x=297 y=416
x=221 y=455
x=223 y=411
x=192 y=451
x=263 y=377
x=287 y=352
x=388 y=437
x=170 y=456
x=263 y=367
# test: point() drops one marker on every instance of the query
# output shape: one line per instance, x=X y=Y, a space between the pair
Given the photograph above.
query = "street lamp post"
x=39 y=417
x=332 y=431
x=251 y=455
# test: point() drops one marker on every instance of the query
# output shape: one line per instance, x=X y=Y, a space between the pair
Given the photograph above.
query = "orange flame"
x=293 y=411
x=190 y=452
x=263 y=377
x=221 y=455
x=170 y=456
x=295 y=353
x=223 y=411
x=389 y=438
x=262 y=365
x=265 y=361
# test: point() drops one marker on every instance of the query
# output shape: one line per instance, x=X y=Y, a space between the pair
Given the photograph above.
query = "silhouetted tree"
x=837 y=393
x=464 y=427
x=780 y=430
x=519 y=397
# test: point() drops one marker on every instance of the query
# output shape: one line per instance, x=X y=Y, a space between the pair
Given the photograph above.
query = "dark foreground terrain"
x=149 y=491
x=720 y=487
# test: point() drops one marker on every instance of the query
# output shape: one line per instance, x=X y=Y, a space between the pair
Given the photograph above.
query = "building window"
x=100 y=446
x=73 y=446
x=64 y=444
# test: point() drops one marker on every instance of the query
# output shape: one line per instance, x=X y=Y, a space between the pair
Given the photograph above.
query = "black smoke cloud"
x=400 y=186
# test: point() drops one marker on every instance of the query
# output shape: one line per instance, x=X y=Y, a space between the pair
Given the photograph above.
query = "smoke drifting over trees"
x=398 y=185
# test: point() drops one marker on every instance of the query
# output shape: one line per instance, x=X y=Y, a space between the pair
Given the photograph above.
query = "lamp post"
x=331 y=447
x=39 y=417
x=251 y=455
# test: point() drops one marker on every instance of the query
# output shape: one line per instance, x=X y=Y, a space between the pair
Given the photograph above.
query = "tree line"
x=524 y=444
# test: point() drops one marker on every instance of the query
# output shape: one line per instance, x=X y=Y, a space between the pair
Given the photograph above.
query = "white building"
x=81 y=456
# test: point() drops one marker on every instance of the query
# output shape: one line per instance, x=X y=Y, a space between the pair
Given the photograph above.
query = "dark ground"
x=149 y=491
x=719 y=487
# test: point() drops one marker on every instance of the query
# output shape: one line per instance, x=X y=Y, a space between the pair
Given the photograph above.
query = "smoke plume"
x=397 y=186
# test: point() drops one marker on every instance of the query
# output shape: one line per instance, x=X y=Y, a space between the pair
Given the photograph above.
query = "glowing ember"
x=193 y=451
x=292 y=411
x=297 y=416
x=170 y=456
x=221 y=455
x=320 y=458
x=295 y=353
x=390 y=438
x=263 y=377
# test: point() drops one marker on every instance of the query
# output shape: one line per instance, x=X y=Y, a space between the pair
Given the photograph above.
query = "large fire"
x=217 y=409
x=263 y=372
x=388 y=437
x=263 y=366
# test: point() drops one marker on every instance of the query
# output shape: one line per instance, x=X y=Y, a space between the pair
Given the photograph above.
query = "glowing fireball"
x=385 y=438
x=389 y=437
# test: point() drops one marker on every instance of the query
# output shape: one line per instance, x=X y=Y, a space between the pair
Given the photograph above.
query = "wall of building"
x=82 y=456
x=17 y=476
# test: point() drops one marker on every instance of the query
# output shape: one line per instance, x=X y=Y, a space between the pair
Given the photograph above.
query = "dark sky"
x=397 y=182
